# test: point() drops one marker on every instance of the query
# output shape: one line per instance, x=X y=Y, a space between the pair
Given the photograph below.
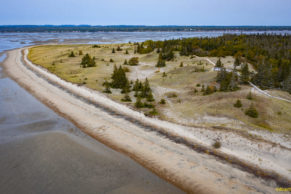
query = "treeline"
x=133 y=28
x=270 y=54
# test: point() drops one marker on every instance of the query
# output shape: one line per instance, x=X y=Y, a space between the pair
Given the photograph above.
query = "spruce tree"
x=264 y=77
x=252 y=112
x=238 y=104
x=138 y=103
x=107 y=87
x=161 y=61
x=236 y=62
x=219 y=63
x=125 y=62
x=233 y=81
x=287 y=83
x=245 y=74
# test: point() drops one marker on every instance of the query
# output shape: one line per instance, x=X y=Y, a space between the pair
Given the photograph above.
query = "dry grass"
x=274 y=115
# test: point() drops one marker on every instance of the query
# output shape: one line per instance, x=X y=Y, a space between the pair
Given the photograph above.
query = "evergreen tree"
x=219 y=63
x=233 y=81
x=113 y=50
x=126 y=98
x=126 y=52
x=138 y=103
x=245 y=74
x=238 y=104
x=252 y=112
x=161 y=61
x=107 y=87
x=88 y=61
x=119 y=79
x=125 y=62
x=264 y=77
x=236 y=62
x=287 y=82
x=181 y=64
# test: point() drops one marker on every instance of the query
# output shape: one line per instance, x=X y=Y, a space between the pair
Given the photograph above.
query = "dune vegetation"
x=182 y=89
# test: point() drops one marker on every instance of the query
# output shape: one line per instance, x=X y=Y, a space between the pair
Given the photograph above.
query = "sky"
x=146 y=12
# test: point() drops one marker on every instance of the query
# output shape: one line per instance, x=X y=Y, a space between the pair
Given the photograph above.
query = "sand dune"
x=177 y=163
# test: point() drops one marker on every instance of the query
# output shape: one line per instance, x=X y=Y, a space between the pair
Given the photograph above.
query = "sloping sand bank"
x=177 y=163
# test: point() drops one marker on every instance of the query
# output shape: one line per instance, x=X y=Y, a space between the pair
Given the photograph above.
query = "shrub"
x=252 y=112
x=152 y=113
x=238 y=104
x=126 y=70
x=72 y=54
x=172 y=95
x=216 y=144
x=126 y=98
x=181 y=64
x=111 y=60
x=80 y=52
x=118 y=48
x=126 y=52
x=209 y=90
x=162 y=101
x=133 y=61
x=148 y=105
x=95 y=46
x=113 y=50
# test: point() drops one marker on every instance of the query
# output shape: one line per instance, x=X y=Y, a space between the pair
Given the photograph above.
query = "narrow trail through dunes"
x=169 y=154
x=256 y=88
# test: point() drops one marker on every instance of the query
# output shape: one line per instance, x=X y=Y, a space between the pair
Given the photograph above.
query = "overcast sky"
x=146 y=12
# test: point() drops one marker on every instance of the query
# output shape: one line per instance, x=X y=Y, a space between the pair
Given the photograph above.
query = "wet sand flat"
x=40 y=152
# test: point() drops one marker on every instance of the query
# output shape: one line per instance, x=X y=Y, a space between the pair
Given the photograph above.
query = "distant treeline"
x=133 y=28
x=270 y=54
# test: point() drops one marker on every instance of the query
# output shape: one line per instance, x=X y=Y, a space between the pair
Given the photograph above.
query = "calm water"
x=16 y=40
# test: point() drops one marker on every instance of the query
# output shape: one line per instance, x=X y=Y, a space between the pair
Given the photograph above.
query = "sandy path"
x=256 y=88
x=175 y=162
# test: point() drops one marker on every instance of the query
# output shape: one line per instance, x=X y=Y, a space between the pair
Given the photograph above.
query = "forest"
x=270 y=54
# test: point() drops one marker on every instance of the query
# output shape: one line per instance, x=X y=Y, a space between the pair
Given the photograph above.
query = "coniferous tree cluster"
x=88 y=61
x=119 y=79
x=269 y=53
x=145 y=47
x=228 y=80
x=143 y=90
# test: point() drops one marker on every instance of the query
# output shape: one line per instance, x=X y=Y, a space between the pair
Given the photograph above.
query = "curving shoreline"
x=66 y=104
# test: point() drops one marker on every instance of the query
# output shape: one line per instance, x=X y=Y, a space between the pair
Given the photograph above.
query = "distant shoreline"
x=135 y=28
